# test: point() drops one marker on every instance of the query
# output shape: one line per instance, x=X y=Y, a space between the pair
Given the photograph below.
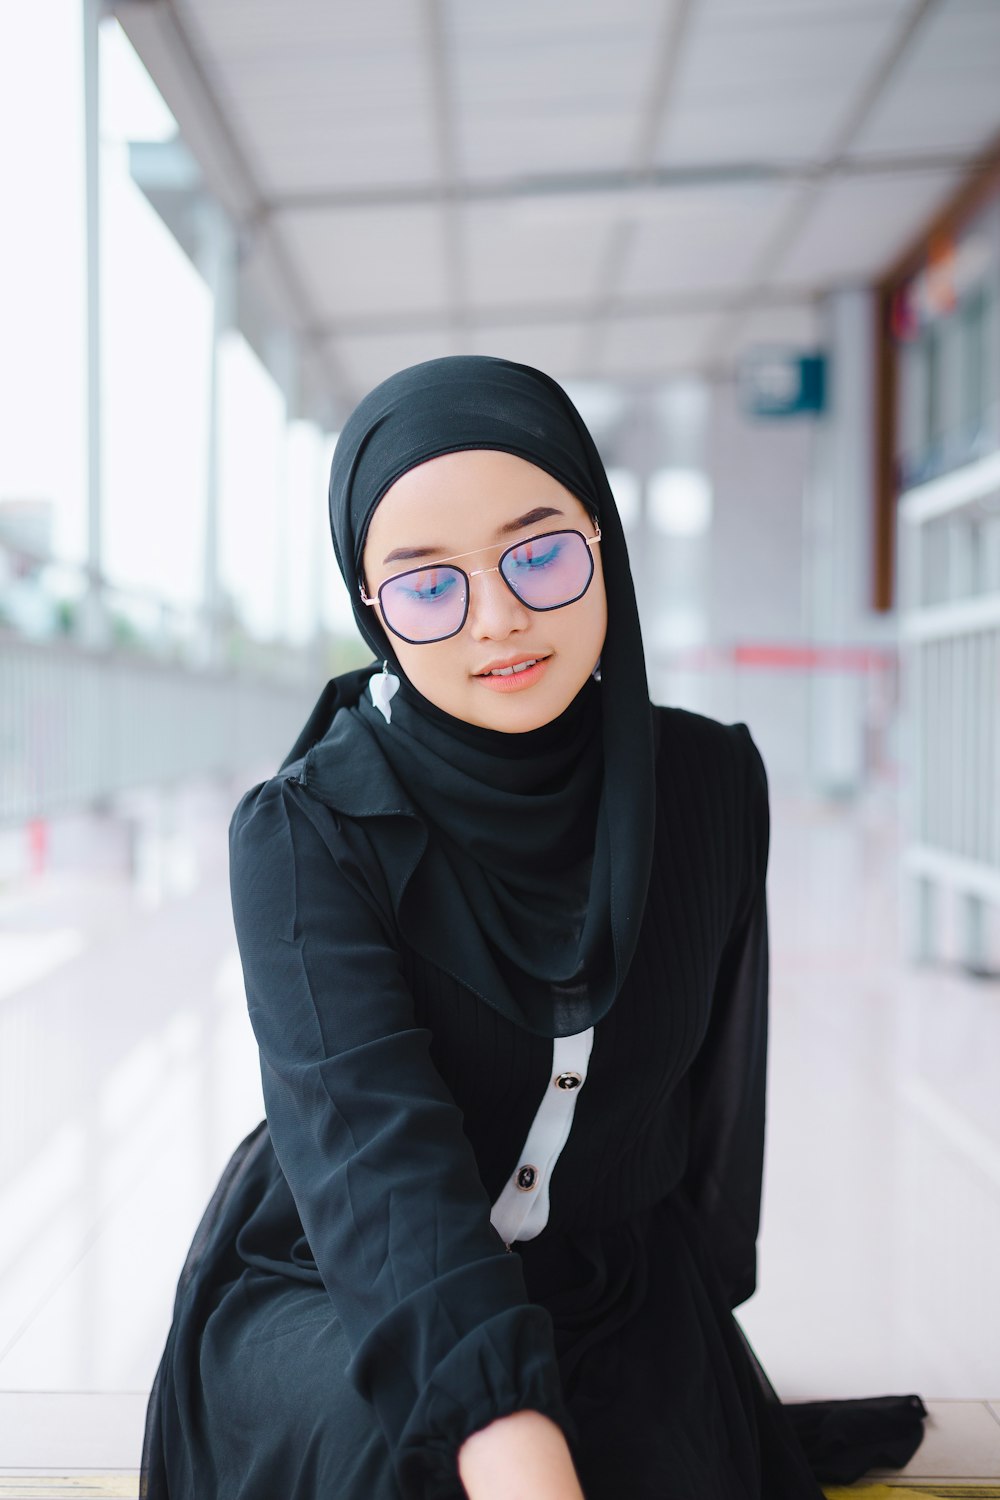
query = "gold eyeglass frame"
x=474 y=573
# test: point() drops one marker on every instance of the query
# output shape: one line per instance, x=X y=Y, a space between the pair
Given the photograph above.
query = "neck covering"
x=517 y=862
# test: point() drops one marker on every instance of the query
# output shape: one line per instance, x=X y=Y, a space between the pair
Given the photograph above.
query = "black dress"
x=347 y=1313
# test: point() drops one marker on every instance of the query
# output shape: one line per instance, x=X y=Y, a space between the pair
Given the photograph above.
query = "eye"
x=531 y=556
x=428 y=586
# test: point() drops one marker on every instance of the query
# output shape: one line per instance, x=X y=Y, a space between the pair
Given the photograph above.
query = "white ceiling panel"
x=369 y=262
x=772 y=127
x=764 y=83
x=857 y=228
x=564 y=69
x=300 y=152
x=701 y=239
x=553 y=347
x=343 y=86
x=532 y=143
x=237 y=28
x=523 y=23
x=320 y=98
x=946 y=93
x=527 y=253
x=367 y=360
x=655 y=346
x=795 y=11
x=547 y=98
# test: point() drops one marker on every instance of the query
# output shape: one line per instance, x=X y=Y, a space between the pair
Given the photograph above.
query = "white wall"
x=751 y=580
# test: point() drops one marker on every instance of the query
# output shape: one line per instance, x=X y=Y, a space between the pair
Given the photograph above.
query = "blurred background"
x=759 y=243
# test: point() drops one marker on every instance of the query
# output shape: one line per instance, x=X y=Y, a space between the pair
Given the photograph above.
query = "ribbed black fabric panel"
x=628 y=1145
x=494 y=1069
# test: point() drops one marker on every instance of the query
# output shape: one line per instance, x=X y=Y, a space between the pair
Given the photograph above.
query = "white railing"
x=79 y=726
x=949 y=591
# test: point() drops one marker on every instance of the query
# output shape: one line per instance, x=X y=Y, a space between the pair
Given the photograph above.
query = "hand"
x=523 y=1456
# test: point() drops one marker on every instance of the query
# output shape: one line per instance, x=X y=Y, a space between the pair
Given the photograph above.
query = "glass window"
x=43 y=289
x=156 y=326
x=336 y=612
x=252 y=559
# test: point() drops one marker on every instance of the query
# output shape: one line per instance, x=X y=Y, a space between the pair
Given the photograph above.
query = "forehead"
x=461 y=499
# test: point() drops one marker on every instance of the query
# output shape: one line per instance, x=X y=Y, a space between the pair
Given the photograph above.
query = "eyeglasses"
x=431 y=603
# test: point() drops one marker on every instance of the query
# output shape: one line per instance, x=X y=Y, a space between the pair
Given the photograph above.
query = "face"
x=480 y=502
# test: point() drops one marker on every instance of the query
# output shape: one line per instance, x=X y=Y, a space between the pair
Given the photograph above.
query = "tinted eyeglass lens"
x=426 y=604
x=551 y=570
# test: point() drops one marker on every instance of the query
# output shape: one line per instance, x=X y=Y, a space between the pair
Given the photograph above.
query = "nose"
x=495 y=611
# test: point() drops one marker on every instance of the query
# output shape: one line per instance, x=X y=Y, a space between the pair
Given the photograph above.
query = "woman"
x=504 y=935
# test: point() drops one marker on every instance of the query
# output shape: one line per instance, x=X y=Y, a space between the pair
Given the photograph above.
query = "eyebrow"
x=540 y=513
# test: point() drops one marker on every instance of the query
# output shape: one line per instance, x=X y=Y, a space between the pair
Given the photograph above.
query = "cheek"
x=418 y=662
x=595 y=618
x=427 y=666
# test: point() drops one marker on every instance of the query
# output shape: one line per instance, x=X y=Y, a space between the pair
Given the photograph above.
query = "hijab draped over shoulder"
x=517 y=862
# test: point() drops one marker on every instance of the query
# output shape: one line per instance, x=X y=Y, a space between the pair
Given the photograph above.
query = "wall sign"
x=778 y=382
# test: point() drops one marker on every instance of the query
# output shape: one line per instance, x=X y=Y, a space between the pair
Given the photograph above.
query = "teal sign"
x=782 y=383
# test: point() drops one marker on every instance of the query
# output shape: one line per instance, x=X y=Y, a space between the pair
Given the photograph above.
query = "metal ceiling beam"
x=686 y=304
x=613 y=184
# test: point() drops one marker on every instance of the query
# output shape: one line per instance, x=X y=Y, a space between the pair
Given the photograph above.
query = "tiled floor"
x=128 y=1074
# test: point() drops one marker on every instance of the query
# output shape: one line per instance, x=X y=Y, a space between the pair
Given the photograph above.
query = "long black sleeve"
x=443 y=1336
x=728 y=1077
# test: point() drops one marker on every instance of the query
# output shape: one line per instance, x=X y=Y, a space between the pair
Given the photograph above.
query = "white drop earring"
x=596 y=673
x=383 y=686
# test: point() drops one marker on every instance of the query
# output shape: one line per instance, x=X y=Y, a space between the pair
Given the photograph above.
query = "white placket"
x=522 y=1210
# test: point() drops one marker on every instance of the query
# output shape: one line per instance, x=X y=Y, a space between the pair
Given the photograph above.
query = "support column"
x=681 y=549
x=838 y=543
x=217 y=262
x=94 y=627
x=283 y=363
x=664 y=428
x=330 y=422
x=637 y=449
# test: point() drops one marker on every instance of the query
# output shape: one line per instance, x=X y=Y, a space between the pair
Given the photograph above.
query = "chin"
x=514 y=713
x=520 y=718
x=518 y=724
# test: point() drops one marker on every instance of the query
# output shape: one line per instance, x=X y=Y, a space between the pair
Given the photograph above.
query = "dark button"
x=568 y=1080
x=526 y=1178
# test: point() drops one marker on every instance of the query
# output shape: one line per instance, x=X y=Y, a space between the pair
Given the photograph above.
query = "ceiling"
x=624 y=189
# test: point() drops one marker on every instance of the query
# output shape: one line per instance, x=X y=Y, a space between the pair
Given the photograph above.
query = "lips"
x=511 y=667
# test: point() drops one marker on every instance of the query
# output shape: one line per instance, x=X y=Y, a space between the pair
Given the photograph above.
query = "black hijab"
x=533 y=849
